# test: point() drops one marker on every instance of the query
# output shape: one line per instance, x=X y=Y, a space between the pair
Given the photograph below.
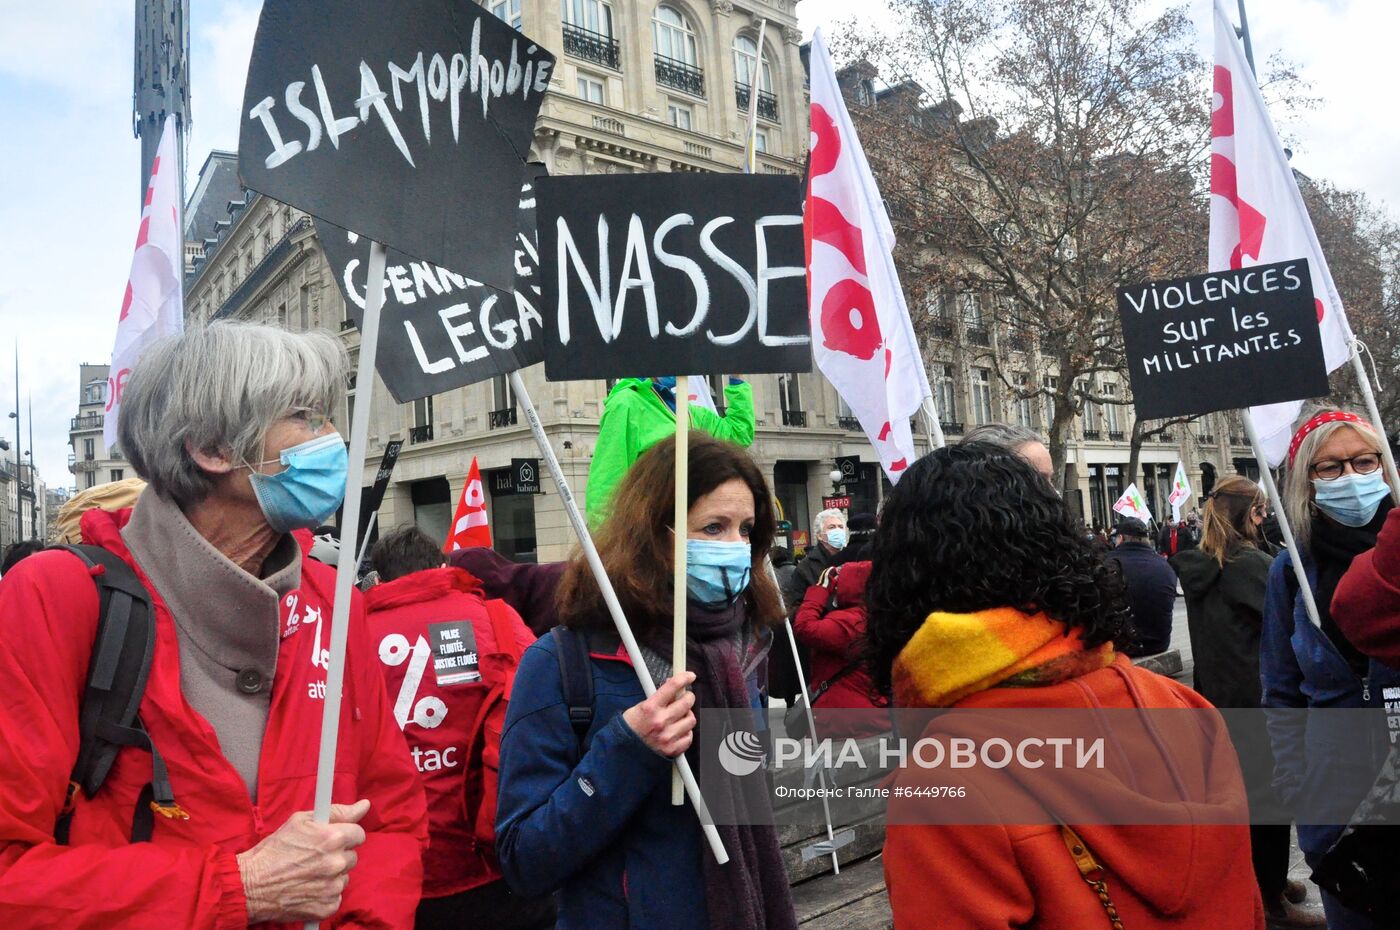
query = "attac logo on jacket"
x=428 y=712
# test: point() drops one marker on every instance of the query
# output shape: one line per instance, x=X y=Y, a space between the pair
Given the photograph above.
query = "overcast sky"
x=69 y=208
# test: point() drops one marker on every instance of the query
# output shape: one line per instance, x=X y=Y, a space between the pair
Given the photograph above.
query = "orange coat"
x=987 y=875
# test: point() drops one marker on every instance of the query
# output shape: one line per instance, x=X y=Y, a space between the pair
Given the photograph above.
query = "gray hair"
x=820 y=518
x=1297 y=483
x=219 y=389
x=1008 y=436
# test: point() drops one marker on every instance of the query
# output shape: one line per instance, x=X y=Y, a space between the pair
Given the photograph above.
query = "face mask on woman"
x=1351 y=500
x=305 y=493
x=716 y=572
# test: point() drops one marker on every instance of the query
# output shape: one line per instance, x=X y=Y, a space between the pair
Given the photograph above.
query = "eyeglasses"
x=1332 y=469
x=312 y=419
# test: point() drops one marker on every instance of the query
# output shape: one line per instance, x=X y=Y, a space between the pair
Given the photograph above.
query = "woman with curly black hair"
x=985 y=594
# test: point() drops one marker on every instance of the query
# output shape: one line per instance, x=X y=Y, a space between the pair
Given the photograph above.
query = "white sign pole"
x=624 y=630
x=1266 y=478
x=346 y=564
x=682 y=520
x=1369 y=397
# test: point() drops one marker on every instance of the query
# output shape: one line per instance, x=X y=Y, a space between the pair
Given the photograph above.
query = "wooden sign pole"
x=347 y=564
x=678 y=600
x=1266 y=478
x=624 y=629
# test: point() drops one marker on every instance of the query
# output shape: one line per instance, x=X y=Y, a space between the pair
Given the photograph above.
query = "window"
x=591 y=89
x=350 y=380
x=593 y=15
x=673 y=36
x=789 y=392
x=946 y=390
x=971 y=309
x=936 y=305
x=1024 y=405
x=679 y=115
x=422 y=429
x=304 y=306
x=507 y=11
x=981 y=395
x=760 y=140
x=95 y=392
x=115 y=474
x=89 y=450
x=1052 y=384
x=90 y=480
x=502 y=397
x=745 y=64
x=1111 y=410
x=1091 y=414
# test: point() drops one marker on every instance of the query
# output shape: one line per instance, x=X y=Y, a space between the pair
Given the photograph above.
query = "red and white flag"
x=154 y=304
x=469 y=529
x=1132 y=504
x=1257 y=215
x=862 y=338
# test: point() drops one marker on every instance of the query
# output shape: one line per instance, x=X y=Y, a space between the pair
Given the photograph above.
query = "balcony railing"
x=500 y=418
x=767 y=103
x=591 y=46
x=978 y=336
x=951 y=428
x=420 y=433
x=86 y=421
x=1167 y=437
x=1207 y=438
x=1016 y=343
x=1093 y=435
x=83 y=465
x=347 y=323
x=678 y=74
x=940 y=329
x=794 y=418
x=1238 y=441
x=1115 y=435
x=850 y=424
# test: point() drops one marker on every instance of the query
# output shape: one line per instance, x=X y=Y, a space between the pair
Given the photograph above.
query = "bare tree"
x=1061 y=157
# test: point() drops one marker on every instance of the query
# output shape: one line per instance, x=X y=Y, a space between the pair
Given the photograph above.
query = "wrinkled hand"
x=665 y=721
x=299 y=872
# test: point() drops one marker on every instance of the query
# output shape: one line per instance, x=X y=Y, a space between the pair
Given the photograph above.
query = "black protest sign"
x=663 y=274
x=441 y=330
x=1223 y=340
x=404 y=120
x=453 y=647
x=381 y=477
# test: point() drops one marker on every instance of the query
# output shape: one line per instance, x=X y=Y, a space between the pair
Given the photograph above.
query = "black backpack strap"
x=117 y=673
x=576 y=675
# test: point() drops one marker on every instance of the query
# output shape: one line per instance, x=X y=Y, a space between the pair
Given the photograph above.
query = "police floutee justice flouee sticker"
x=455 y=660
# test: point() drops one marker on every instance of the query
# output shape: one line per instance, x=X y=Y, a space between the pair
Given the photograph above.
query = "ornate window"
x=745 y=63
x=673 y=36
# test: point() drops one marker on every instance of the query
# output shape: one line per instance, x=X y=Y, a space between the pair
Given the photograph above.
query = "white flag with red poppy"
x=469 y=529
x=1257 y=215
x=1133 y=504
x=862 y=338
x=154 y=305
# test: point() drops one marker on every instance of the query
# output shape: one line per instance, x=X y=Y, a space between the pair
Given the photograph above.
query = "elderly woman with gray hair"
x=204 y=821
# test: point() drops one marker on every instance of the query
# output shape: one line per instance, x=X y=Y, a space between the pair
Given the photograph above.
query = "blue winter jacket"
x=601 y=829
x=1323 y=764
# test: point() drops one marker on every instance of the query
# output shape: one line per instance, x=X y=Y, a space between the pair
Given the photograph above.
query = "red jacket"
x=187 y=876
x=834 y=634
x=407 y=619
x=1367 y=603
x=1169 y=875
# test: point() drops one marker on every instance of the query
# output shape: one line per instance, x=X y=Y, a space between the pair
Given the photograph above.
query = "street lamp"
x=835 y=476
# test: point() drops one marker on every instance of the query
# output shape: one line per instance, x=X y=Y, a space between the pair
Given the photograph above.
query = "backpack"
x=483 y=749
x=576 y=675
x=107 y=718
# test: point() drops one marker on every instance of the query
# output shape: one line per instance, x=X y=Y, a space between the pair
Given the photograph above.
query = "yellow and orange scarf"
x=955 y=655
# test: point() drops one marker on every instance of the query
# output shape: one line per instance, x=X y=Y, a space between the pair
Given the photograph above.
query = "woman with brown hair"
x=1224 y=582
x=584 y=806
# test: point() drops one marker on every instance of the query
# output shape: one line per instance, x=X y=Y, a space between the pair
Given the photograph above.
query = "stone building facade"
x=641 y=86
x=89 y=459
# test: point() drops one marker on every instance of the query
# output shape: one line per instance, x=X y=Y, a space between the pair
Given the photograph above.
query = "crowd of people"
x=499 y=761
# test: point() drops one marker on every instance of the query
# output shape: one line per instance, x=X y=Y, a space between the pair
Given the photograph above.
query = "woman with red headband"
x=1336 y=497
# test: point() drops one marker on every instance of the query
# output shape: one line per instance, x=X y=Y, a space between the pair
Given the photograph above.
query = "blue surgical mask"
x=305 y=493
x=1351 y=500
x=716 y=572
x=836 y=537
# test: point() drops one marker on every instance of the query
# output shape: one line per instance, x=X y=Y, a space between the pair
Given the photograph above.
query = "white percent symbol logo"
x=429 y=712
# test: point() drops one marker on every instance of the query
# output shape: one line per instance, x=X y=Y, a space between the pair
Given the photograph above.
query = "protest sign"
x=1223 y=340
x=443 y=330
x=406 y=121
x=664 y=274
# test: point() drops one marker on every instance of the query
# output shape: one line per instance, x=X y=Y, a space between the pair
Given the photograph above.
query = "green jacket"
x=635 y=418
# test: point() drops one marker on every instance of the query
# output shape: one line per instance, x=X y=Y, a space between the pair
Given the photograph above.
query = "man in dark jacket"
x=1151 y=589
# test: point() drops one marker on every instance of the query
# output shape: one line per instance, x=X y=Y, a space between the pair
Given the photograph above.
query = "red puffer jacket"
x=834 y=634
x=187 y=875
x=1367 y=603
x=441 y=658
